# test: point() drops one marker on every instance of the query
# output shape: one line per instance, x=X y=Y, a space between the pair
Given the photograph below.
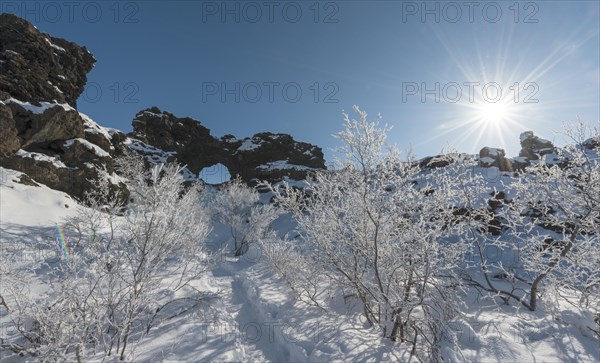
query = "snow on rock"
x=282 y=165
x=97 y=134
x=55 y=160
x=250 y=144
x=489 y=156
x=44 y=122
x=56 y=88
x=230 y=139
x=92 y=127
x=156 y=156
x=533 y=146
x=486 y=161
x=495 y=151
x=55 y=46
x=520 y=159
x=153 y=154
x=111 y=131
x=88 y=145
x=9 y=51
x=41 y=108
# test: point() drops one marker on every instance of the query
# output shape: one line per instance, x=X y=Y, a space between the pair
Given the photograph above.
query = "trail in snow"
x=258 y=333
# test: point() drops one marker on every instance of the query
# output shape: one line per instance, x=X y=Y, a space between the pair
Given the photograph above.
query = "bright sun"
x=493 y=112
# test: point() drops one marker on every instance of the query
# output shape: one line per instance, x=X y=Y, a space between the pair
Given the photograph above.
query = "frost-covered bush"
x=376 y=228
x=123 y=274
x=549 y=249
x=237 y=206
x=555 y=220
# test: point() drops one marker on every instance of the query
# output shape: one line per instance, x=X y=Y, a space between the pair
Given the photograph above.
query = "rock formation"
x=532 y=147
x=494 y=157
x=44 y=136
x=35 y=67
x=263 y=156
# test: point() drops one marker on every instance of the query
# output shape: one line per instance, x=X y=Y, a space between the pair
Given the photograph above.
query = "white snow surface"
x=257 y=318
x=23 y=207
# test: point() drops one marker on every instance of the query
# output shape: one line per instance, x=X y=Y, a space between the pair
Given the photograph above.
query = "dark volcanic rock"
x=438 y=161
x=73 y=181
x=494 y=157
x=36 y=67
x=54 y=123
x=533 y=146
x=193 y=143
x=77 y=152
x=265 y=156
x=9 y=141
x=269 y=156
x=41 y=78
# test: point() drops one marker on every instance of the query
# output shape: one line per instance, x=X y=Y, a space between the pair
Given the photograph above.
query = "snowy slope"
x=257 y=318
x=31 y=206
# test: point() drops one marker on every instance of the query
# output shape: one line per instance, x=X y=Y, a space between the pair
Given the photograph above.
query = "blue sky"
x=393 y=58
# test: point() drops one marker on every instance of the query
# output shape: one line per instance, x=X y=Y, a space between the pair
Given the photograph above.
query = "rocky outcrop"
x=489 y=157
x=41 y=132
x=265 y=156
x=269 y=156
x=532 y=147
x=46 y=123
x=44 y=136
x=193 y=143
x=59 y=175
x=36 y=67
x=432 y=162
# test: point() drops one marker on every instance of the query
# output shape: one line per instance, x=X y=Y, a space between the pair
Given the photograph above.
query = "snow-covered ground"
x=256 y=317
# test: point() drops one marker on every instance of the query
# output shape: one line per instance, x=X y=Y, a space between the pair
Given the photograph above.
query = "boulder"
x=532 y=147
x=520 y=162
x=46 y=123
x=489 y=157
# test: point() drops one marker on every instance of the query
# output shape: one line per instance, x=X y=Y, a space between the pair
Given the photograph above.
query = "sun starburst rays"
x=504 y=116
